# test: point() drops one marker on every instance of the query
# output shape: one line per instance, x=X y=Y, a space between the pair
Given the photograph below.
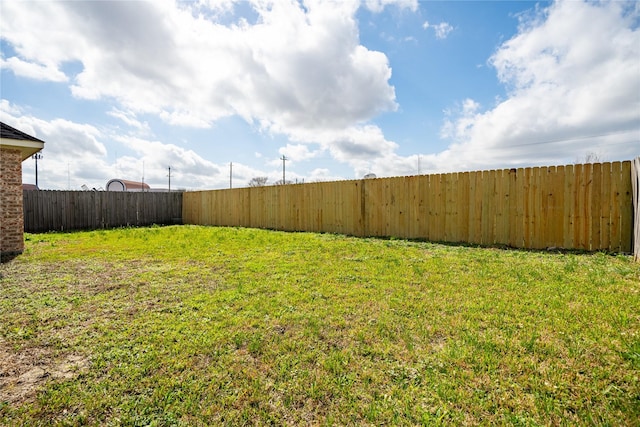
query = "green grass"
x=194 y=325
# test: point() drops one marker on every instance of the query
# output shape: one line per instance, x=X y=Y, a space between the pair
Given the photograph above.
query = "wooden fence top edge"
x=358 y=180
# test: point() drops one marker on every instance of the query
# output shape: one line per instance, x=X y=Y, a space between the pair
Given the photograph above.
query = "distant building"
x=125 y=185
x=15 y=147
x=29 y=187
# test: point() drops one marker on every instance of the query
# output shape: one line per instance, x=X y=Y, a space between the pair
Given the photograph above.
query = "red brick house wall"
x=11 y=214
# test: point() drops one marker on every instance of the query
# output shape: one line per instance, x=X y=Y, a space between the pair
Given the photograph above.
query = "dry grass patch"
x=25 y=371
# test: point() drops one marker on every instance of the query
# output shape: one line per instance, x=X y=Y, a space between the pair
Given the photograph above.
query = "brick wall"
x=11 y=214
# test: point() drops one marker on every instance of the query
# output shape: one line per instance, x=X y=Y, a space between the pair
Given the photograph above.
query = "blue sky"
x=341 y=88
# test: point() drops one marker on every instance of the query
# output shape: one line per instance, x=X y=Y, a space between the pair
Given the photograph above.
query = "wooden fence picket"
x=585 y=207
x=46 y=210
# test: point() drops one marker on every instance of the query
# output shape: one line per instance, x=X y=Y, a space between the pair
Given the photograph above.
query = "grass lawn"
x=191 y=325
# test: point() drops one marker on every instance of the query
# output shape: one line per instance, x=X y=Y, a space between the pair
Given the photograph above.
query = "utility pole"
x=231 y=175
x=284 y=159
x=169 y=179
x=37 y=156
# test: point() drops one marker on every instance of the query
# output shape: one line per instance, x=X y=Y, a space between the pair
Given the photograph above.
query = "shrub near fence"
x=89 y=210
x=585 y=206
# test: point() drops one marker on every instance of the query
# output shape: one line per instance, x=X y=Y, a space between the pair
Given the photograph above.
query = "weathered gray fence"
x=90 y=210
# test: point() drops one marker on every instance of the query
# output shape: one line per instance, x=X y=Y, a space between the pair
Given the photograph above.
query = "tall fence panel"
x=46 y=210
x=574 y=207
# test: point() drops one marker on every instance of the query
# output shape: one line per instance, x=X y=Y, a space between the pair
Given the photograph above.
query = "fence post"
x=635 y=196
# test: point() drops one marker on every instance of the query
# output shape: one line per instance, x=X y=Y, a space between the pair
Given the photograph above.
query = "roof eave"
x=27 y=148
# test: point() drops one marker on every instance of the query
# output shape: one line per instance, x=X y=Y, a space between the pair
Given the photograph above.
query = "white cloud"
x=71 y=149
x=129 y=119
x=298 y=152
x=441 y=29
x=67 y=137
x=74 y=154
x=321 y=174
x=218 y=6
x=361 y=144
x=295 y=67
x=573 y=74
x=298 y=70
x=41 y=33
x=379 y=5
x=33 y=70
x=187 y=166
x=8 y=109
x=358 y=146
x=184 y=118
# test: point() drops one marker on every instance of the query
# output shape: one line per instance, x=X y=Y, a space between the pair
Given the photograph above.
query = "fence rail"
x=82 y=210
x=585 y=206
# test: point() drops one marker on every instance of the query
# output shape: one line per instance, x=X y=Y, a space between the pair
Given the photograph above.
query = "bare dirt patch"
x=23 y=373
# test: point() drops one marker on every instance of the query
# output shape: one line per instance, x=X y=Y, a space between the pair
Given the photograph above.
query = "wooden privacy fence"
x=586 y=206
x=90 y=210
